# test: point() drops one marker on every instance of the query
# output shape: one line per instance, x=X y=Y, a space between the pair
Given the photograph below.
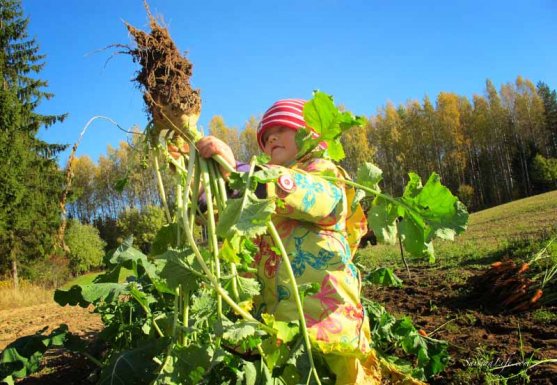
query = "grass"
x=491 y=234
x=30 y=294
x=88 y=278
x=84 y=279
x=544 y=316
x=27 y=295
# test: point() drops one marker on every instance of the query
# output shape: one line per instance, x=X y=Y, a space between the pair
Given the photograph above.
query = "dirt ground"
x=435 y=299
x=478 y=337
x=60 y=367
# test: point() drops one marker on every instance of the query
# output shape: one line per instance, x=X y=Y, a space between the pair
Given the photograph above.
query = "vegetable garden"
x=183 y=315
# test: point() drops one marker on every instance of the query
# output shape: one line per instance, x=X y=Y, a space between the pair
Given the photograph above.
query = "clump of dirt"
x=164 y=75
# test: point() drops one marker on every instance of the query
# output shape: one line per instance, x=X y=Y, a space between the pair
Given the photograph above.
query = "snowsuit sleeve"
x=304 y=195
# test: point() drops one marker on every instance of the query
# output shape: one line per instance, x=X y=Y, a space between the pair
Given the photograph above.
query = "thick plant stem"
x=160 y=186
x=216 y=285
x=372 y=191
x=211 y=226
x=185 y=313
x=195 y=194
x=296 y=294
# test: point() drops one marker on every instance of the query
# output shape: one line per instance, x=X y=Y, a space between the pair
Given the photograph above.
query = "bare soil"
x=479 y=337
x=60 y=367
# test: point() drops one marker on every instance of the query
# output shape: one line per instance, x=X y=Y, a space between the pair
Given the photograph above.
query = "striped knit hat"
x=285 y=113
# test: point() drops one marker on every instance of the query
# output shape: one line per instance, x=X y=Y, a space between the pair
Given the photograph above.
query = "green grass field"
x=516 y=228
x=89 y=277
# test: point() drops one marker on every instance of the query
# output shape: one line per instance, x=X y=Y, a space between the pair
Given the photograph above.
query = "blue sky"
x=247 y=54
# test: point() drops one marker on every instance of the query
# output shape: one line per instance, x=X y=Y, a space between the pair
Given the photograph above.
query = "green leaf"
x=129 y=257
x=250 y=221
x=286 y=331
x=382 y=217
x=425 y=213
x=305 y=142
x=91 y=293
x=247 y=287
x=369 y=175
x=384 y=276
x=234 y=333
x=185 y=365
x=165 y=238
x=23 y=356
x=321 y=114
x=443 y=213
x=267 y=174
x=176 y=267
x=133 y=366
x=335 y=151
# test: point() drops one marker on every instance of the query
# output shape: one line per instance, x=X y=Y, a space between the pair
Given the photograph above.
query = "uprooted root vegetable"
x=165 y=79
x=506 y=287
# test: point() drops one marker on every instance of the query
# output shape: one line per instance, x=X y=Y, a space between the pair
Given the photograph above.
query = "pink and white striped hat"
x=285 y=113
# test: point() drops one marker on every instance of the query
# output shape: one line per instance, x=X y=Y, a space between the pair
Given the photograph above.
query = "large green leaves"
x=420 y=215
x=248 y=217
x=430 y=356
x=321 y=114
x=83 y=295
x=177 y=268
x=185 y=365
x=134 y=366
x=23 y=356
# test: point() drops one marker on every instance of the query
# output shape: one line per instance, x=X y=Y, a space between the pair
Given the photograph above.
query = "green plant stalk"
x=221 y=188
x=247 y=316
x=278 y=242
x=372 y=191
x=160 y=186
x=92 y=359
x=195 y=194
x=192 y=160
x=184 y=297
x=179 y=204
x=211 y=227
x=214 y=186
x=227 y=166
x=150 y=314
x=174 y=337
x=185 y=315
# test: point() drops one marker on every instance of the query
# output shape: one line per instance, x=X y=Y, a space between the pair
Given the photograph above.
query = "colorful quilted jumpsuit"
x=320 y=232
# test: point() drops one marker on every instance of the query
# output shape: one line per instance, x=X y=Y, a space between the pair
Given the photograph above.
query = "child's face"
x=280 y=145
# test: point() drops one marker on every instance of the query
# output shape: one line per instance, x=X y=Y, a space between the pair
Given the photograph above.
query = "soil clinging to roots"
x=165 y=73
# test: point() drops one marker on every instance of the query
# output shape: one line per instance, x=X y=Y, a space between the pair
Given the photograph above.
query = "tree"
x=86 y=247
x=549 y=99
x=29 y=177
x=248 y=140
x=357 y=149
x=229 y=135
x=142 y=225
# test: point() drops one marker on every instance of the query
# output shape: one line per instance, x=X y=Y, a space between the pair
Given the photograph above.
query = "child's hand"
x=211 y=145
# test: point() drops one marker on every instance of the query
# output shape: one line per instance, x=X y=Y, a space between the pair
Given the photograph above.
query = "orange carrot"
x=523 y=268
x=497 y=264
x=422 y=332
x=537 y=295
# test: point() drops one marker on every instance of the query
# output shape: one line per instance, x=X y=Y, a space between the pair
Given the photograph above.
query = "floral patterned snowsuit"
x=320 y=232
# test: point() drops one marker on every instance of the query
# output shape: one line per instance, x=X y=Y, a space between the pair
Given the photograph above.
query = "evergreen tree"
x=30 y=181
x=549 y=98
